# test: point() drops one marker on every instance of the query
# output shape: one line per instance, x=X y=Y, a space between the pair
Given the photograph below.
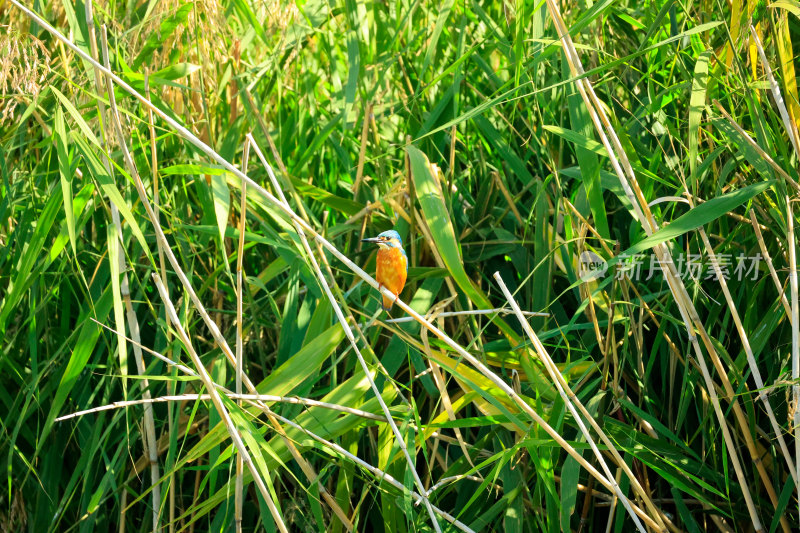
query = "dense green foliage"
x=460 y=125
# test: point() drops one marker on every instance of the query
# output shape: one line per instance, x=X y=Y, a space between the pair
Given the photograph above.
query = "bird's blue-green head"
x=387 y=239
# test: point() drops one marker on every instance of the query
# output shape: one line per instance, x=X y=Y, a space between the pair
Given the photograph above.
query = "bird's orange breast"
x=391 y=272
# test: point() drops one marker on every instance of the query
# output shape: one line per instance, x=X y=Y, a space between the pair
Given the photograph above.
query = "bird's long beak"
x=376 y=240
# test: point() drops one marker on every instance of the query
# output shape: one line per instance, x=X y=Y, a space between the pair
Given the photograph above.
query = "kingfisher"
x=392 y=264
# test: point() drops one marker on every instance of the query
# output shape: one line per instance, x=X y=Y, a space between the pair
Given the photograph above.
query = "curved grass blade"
x=444 y=237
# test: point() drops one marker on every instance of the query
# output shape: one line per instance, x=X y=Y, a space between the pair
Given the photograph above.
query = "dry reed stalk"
x=349 y=334
x=202 y=372
x=751 y=361
x=217 y=401
x=334 y=286
x=149 y=447
x=754 y=145
x=776 y=92
x=362 y=151
x=441 y=386
x=257 y=401
x=324 y=260
x=571 y=401
x=795 y=408
x=379 y=474
x=170 y=482
x=691 y=319
x=772 y=272
x=238 y=499
x=307 y=469
x=499 y=310
x=271 y=398
x=791 y=132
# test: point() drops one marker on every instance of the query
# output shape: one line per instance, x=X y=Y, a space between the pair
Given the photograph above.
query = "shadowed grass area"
x=657 y=142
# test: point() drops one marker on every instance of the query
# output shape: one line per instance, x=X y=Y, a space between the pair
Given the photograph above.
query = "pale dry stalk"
x=149 y=438
x=573 y=404
x=159 y=232
x=349 y=334
x=233 y=431
x=622 y=167
x=238 y=499
x=795 y=330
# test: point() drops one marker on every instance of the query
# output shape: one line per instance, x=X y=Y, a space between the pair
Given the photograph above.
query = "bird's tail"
x=387 y=303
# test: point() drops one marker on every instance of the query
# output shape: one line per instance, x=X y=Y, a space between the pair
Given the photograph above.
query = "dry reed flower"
x=16 y=518
x=24 y=65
